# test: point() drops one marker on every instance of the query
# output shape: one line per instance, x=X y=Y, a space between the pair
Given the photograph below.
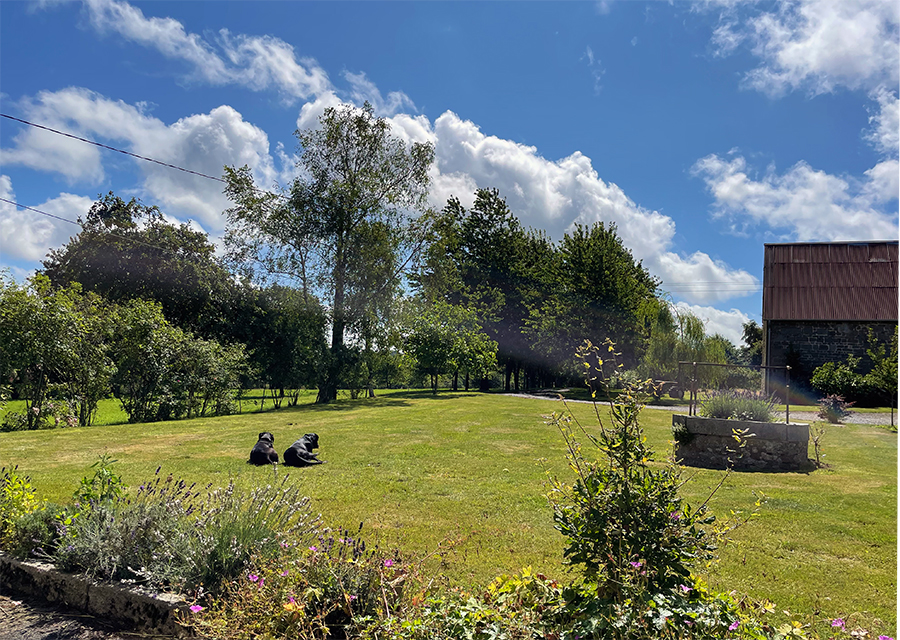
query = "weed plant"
x=833 y=408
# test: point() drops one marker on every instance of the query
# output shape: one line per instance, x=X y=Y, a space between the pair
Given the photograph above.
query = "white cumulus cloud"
x=885 y=132
x=555 y=195
x=728 y=324
x=28 y=235
x=816 y=45
x=256 y=62
x=202 y=142
x=808 y=205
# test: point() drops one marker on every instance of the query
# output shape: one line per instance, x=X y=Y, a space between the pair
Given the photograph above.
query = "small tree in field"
x=446 y=338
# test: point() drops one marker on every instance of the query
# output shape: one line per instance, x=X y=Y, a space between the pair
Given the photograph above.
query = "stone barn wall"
x=805 y=345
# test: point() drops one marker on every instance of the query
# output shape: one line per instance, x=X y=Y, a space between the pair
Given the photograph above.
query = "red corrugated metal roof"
x=830 y=281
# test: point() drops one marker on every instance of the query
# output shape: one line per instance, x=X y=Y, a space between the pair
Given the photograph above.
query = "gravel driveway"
x=880 y=419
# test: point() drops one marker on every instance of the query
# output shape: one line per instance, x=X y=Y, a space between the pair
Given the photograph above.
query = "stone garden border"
x=774 y=446
x=151 y=613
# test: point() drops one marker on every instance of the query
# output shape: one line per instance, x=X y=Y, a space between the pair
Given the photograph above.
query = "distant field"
x=417 y=470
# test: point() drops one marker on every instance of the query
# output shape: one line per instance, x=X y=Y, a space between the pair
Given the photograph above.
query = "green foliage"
x=17 y=499
x=738 y=404
x=625 y=524
x=37 y=532
x=530 y=605
x=104 y=486
x=285 y=337
x=839 y=378
x=165 y=373
x=127 y=250
x=50 y=415
x=599 y=290
x=536 y=299
x=679 y=336
x=833 y=408
x=446 y=338
x=336 y=584
x=883 y=376
x=53 y=341
x=751 y=352
x=344 y=225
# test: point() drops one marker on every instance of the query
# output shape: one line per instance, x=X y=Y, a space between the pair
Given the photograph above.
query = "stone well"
x=775 y=446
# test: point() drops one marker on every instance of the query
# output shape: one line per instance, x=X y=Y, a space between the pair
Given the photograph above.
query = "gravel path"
x=28 y=620
x=880 y=419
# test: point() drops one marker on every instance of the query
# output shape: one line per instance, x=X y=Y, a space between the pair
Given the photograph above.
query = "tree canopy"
x=346 y=218
x=126 y=251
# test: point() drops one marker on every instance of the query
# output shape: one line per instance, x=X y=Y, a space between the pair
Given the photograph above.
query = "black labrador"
x=263 y=451
x=300 y=454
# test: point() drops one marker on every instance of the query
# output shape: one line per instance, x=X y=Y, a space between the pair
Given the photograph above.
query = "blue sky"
x=703 y=130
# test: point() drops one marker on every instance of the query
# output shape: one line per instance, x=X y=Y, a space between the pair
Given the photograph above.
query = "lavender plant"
x=738 y=404
x=174 y=535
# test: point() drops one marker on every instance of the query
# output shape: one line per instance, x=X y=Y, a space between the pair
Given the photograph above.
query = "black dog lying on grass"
x=263 y=452
x=300 y=453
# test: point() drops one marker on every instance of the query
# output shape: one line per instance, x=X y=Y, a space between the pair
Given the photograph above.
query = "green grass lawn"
x=420 y=471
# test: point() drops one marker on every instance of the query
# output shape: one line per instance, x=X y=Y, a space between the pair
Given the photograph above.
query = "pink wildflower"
x=196 y=608
x=734 y=625
x=389 y=563
x=253 y=577
x=838 y=622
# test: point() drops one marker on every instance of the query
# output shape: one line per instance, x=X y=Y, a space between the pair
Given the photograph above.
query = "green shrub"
x=104 y=486
x=17 y=498
x=14 y=421
x=37 y=533
x=738 y=405
x=620 y=513
x=530 y=605
x=838 y=378
x=50 y=415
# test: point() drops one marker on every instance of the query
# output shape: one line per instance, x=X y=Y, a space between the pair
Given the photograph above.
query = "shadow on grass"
x=804 y=469
x=387 y=400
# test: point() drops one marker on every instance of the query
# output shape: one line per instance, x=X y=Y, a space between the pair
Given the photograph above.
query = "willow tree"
x=354 y=176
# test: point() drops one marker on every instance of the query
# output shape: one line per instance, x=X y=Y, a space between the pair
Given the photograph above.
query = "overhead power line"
x=43 y=213
x=673 y=286
x=110 y=148
x=80 y=224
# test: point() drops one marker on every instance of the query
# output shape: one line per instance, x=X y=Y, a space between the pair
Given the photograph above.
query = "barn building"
x=820 y=300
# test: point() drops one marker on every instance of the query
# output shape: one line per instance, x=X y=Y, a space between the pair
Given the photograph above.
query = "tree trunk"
x=329 y=386
x=467 y=381
x=456 y=380
x=508 y=375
